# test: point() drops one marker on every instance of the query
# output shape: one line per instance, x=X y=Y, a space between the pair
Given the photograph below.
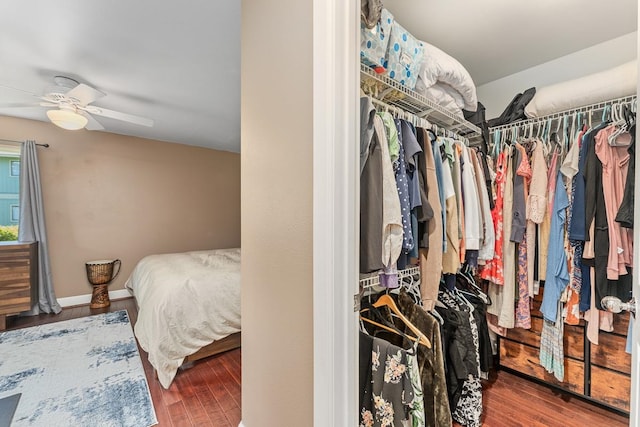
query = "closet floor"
x=207 y=394
x=511 y=401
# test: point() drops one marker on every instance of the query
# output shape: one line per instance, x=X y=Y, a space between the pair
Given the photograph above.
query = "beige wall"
x=277 y=190
x=111 y=196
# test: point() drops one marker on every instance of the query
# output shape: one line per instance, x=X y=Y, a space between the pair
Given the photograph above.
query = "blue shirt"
x=557 y=271
x=435 y=146
x=402 y=184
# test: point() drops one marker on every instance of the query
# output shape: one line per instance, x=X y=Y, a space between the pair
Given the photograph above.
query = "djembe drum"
x=100 y=274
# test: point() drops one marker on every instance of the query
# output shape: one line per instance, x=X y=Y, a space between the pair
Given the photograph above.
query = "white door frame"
x=634 y=416
x=335 y=207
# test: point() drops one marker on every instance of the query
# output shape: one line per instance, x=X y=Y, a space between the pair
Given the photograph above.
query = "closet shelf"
x=373 y=279
x=587 y=110
x=397 y=95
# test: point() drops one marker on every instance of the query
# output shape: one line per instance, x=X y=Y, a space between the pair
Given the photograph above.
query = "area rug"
x=80 y=372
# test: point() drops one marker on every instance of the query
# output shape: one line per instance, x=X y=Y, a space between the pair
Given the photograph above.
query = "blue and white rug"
x=80 y=372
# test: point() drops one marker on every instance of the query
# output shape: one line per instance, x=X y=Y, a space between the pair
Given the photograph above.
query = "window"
x=15 y=213
x=15 y=167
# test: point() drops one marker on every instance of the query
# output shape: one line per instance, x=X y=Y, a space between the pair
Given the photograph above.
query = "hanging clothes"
x=468 y=408
x=391 y=211
x=451 y=255
x=431 y=256
x=552 y=345
x=615 y=162
x=503 y=297
x=371 y=193
x=625 y=213
x=412 y=150
x=557 y=272
x=492 y=271
x=387 y=390
x=487 y=231
x=402 y=186
x=430 y=360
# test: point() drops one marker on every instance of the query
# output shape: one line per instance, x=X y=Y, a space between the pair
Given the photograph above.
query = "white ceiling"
x=496 y=38
x=178 y=63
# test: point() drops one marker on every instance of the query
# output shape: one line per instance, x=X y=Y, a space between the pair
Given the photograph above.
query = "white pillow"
x=443 y=95
x=613 y=83
x=438 y=66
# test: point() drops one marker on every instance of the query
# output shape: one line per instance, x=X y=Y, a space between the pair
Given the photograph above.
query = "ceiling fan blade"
x=85 y=94
x=92 y=123
x=18 y=105
x=143 y=121
x=19 y=90
x=48 y=104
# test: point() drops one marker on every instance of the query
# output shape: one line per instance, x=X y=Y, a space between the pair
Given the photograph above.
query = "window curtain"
x=31 y=226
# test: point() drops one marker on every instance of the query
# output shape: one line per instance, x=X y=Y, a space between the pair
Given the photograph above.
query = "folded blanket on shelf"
x=440 y=67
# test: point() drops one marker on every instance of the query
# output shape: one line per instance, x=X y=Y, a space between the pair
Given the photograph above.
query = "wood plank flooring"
x=510 y=401
x=209 y=393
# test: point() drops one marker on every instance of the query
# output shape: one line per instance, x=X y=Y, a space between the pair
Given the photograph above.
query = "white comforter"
x=186 y=301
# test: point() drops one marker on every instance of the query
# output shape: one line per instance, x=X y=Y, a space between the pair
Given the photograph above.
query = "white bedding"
x=186 y=301
x=591 y=89
x=438 y=66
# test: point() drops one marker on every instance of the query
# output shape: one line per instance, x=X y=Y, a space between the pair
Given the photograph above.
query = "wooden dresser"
x=600 y=373
x=18 y=278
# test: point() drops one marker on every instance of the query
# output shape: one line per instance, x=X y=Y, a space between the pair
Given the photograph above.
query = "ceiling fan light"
x=66 y=119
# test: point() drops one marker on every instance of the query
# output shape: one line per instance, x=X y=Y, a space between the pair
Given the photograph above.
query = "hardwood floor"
x=510 y=401
x=208 y=394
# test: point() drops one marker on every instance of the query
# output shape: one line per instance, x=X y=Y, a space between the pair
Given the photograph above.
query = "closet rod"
x=20 y=142
x=593 y=108
x=374 y=279
x=419 y=121
x=402 y=114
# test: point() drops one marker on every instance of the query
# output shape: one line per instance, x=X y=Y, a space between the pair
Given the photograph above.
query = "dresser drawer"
x=18 y=276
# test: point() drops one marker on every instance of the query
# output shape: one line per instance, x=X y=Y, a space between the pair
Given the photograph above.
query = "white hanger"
x=620 y=136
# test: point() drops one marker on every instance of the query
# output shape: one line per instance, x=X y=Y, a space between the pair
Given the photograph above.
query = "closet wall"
x=497 y=94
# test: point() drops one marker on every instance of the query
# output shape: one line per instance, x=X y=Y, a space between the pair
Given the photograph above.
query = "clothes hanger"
x=620 y=137
x=412 y=288
x=387 y=328
x=465 y=274
x=386 y=325
x=386 y=300
x=435 y=314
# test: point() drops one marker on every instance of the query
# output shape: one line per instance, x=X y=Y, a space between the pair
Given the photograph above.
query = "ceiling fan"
x=73 y=106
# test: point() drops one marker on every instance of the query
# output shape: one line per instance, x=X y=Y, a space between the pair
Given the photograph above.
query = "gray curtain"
x=31 y=227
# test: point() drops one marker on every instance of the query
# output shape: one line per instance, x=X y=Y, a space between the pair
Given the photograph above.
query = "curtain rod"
x=20 y=142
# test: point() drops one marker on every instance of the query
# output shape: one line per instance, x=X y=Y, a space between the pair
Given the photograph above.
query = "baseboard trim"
x=86 y=299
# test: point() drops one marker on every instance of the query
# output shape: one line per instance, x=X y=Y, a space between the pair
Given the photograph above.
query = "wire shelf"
x=373 y=280
x=395 y=94
x=587 y=109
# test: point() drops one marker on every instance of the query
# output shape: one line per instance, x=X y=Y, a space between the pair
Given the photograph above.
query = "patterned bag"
x=374 y=43
x=405 y=56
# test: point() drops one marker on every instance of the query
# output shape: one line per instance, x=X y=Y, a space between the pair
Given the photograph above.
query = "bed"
x=188 y=306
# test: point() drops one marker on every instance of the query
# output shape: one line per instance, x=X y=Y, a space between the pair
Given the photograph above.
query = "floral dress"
x=389 y=397
x=493 y=269
x=523 y=308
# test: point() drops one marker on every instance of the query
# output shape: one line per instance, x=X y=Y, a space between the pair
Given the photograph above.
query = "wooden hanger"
x=387 y=328
x=386 y=300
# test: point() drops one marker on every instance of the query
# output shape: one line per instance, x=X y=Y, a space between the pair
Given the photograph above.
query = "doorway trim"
x=335 y=210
